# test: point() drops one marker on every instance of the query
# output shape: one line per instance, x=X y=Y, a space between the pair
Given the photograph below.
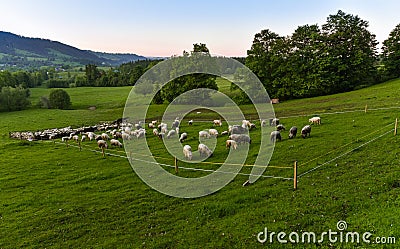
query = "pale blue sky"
x=164 y=28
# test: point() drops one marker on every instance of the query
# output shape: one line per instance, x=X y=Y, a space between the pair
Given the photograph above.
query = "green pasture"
x=54 y=196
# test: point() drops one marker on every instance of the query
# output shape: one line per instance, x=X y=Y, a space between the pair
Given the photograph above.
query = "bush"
x=57 y=83
x=59 y=99
x=14 y=98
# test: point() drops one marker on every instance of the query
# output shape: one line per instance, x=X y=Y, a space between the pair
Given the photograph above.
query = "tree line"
x=339 y=56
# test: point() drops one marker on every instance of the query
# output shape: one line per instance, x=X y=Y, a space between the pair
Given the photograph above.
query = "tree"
x=92 y=74
x=14 y=98
x=144 y=87
x=262 y=56
x=189 y=82
x=350 y=52
x=59 y=99
x=391 y=53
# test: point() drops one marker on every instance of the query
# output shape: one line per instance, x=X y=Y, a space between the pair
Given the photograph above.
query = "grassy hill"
x=54 y=196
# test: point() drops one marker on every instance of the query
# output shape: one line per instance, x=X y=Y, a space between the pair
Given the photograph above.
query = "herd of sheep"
x=123 y=130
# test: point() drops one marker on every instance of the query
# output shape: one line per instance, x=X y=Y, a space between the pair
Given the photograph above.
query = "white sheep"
x=183 y=137
x=140 y=133
x=190 y=122
x=263 y=123
x=187 y=152
x=204 y=150
x=155 y=132
x=75 y=138
x=171 y=133
x=91 y=135
x=231 y=144
x=315 y=120
x=224 y=133
x=105 y=136
x=204 y=134
x=213 y=132
x=116 y=143
x=126 y=136
x=217 y=122
x=102 y=144
x=151 y=125
x=83 y=138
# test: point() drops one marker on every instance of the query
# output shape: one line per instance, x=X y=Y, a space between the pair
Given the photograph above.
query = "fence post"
x=80 y=147
x=176 y=165
x=395 y=127
x=66 y=142
x=295 y=175
x=103 y=152
x=366 y=107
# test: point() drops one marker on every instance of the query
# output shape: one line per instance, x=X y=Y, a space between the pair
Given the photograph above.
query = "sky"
x=167 y=27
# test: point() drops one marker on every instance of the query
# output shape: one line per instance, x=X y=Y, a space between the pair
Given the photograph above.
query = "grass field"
x=58 y=197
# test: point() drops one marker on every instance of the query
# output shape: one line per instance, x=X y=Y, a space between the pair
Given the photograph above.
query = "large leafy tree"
x=350 y=51
x=189 y=82
x=263 y=56
x=391 y=53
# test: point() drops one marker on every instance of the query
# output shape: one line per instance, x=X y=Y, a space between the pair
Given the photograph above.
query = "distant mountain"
x=23 y=52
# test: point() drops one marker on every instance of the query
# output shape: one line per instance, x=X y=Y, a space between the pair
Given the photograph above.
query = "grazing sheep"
x=126 y=136
x=224 y=133
x=155 y=132
x=306 y=130
x=97 y=137
x=102 y=144
x=204 y=134
x=213 y=132
x=274 y=122
x=154 y=122
x=315 y=120
x=231 y=143
x=263 y=123
x=275 y=135
x=171 y=133
x=240 y=138
x=293 y=132
x=91 y=135
x=244 y=139
x=163 y=127
x=190 y=122
x=117 y=135
x=246 y=124
x=83 y=138
x=64 y=139
x=161 y=135
x=183 y=137
x=116 y=143
x=105 y=136
x=204 y=150
x=75 y=138
x=252 y=126
x=140 y=134
x=175 y=124
x=280 y=127
x=187 y=152
x=151 y=125
x=237 y=129
x=217 y=122
x=128 y=129
x=177 y=130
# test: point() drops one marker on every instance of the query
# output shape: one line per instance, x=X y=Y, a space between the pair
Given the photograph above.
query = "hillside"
x=24 y=52
x=66 y=197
